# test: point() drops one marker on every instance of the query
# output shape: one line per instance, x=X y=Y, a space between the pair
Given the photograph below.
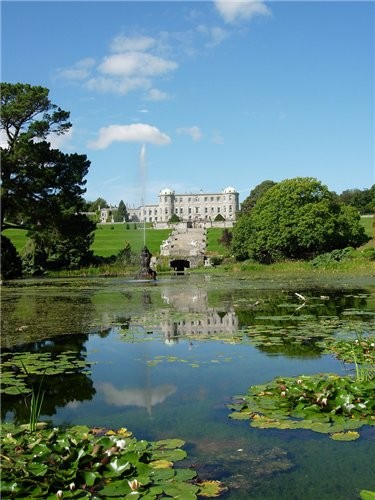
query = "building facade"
x=190 y=208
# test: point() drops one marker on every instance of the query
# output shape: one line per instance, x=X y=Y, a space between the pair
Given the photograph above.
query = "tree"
x=226 y=238
x=248 y=204
x=362 y=200
x=174 y=219
x=42 y=187
x=296 y=218
x=98 y=203
x=121 y=214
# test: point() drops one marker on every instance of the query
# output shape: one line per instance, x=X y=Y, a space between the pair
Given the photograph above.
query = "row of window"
x=196 y=198
x=190 y=210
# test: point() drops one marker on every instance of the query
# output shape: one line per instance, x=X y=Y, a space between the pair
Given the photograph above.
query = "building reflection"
x=205 y=320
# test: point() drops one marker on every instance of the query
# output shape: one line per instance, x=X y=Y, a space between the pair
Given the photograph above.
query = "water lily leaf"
x=240 y=415
x=115 y=489
x=184 y=491
x=185 y=474
x=89 y=477
x=211 y=488
x=367 y=495
x=172 y=455
x=161 y=464
x=345 y=436
x=162 y=475
x=37 y=469
x=170 y=443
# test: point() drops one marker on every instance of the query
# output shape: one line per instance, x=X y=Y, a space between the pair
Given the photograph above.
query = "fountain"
x=145 y=272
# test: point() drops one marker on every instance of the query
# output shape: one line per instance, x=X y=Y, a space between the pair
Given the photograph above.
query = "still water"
x=164 y=359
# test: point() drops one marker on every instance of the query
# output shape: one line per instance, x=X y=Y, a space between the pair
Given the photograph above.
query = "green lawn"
x=111 y=238
x=367 y=223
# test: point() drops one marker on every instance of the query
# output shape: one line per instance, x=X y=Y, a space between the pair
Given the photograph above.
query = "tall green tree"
x=249 y=203
x=362 y=199
x=41 y=187
x=295 y=219
x=121 y=215
x=98 y=203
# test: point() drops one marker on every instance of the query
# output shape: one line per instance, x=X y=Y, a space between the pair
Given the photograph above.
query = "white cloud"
x=233 y=11
x=217 y=137
x=194 y=132
x=79 y=71
x=156 y=95
x=215 y=34
x=136 y=64
x=122 y=43
x=118 y=86
x=137 y=132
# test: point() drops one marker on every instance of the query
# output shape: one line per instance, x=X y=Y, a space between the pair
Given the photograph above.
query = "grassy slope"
x=110 y=238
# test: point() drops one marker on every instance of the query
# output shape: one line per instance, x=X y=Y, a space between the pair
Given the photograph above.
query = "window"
x=197 y=210
x=189 y=210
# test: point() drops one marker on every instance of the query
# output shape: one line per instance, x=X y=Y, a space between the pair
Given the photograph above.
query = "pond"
x=164 y=359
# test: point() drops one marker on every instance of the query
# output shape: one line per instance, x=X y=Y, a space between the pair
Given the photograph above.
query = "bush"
x=11 y=264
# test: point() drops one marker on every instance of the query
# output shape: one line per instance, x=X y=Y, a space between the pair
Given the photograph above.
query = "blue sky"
x=219 y=93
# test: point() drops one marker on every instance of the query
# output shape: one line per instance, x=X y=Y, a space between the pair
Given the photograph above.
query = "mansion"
x=190 y=208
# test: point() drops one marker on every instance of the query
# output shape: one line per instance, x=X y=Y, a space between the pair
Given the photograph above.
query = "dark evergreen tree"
x=40 y=186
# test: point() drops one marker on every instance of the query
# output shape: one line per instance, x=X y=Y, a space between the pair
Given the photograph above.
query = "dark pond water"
x=164 y=359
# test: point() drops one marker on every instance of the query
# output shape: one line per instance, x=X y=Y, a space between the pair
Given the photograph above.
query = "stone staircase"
x=185 y=243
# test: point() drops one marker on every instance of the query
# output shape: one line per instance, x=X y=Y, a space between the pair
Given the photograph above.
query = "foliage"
x=20 y=370
x=42 y=187
x=125 y=255
x=361 y=352
x=11 y=264
x=90 y=463
x=226 y=238
x=248 y=204
x=330 y=257
x=295 y=219
x=93 y=206
x=362 y=200
x=121 y=214
x=174 y=219
x=322 y=403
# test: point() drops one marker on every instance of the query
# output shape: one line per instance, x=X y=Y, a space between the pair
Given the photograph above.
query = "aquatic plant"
x=359 y=351
x=36 y=401
x=79 y=462
x=325 y=403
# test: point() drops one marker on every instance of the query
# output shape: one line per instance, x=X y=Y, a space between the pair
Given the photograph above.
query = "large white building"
x=190 y=208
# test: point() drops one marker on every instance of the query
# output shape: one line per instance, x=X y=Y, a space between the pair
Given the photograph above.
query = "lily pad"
x=345 y=436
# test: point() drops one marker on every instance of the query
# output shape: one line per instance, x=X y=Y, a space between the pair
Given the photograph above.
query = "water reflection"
x=208 y=321
x=140 y=397
x=136 y=339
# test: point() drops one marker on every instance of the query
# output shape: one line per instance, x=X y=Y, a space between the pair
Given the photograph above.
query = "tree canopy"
x=249 y=203
x=41 y=187
x=296 y=218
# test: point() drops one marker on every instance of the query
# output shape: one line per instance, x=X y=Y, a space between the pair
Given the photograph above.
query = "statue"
x=145 y=273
